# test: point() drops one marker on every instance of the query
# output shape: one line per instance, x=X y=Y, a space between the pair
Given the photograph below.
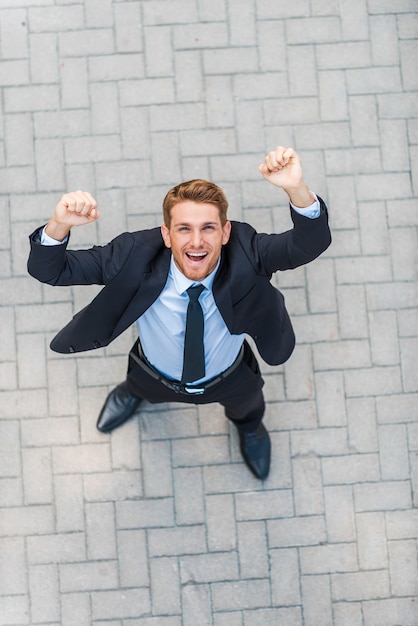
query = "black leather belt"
x=139 y=357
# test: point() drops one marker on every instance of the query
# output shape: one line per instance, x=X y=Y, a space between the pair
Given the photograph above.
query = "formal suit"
x=134 y=266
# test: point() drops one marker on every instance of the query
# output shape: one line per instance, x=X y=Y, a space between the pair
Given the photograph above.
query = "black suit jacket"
x=134 y=266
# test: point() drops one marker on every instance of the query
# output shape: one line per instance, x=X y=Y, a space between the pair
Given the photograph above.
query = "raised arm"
x=282 y=167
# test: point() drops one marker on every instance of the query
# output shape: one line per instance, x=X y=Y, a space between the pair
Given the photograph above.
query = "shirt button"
x=96 y=344
x=71 y=349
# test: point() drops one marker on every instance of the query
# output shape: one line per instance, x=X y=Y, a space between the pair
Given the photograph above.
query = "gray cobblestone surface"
x=160 y=523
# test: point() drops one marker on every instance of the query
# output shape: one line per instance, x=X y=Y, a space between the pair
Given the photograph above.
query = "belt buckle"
x=195 y=390
x=181 y=388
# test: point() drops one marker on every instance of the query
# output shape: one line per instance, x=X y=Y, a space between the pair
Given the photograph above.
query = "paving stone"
x=121 y=604
x=410 y=379
x=56 y=18
x=347 y=216
x=132 y=557
x=188 y=489
x=100 y=531
x=176 y=541
x=37 y=475
x=113 y=486
x=301 y=71
x=242 y=594
x=316 y=593
x=264 y=505
x=339 y=513
x=228 y=619
x=18 y=132
x=285 y=577
x=307 y=530
x=196 y=604
x=397 y=408
x=302 y=365
x=11 y=492
x=403 y=568
x=88 y=576
x=147 y=513
x=220 y=522
x=200 y=451
x=147 y=621
x=69 y=503
x=164 y=578
x=14 y=32
x=206 y=568
x=68 y=460
x=347 y=613
x=376 y=380
x=393 y=452
x=15 y=609
x=402 y=524
x=44 y=589
x=307 y=486
x=56 y=548
x=326 y=442
x=355 y=468
x=349 y=355
x=252 y=549
x=352 y=327
x=161 y=523
x=10 y=449
x=374 y=231
x=328 y=558
x=20 y=521
x=31 y=98
x=234 y=60
x=360 y=585
x=382 y=496
x=390 y=611
x=160 y=484
x=12 y=575
x=388 y=353
x=76 y=609
x=372 y=548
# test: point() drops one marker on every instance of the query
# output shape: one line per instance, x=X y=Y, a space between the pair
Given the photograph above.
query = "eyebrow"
x=188 y=224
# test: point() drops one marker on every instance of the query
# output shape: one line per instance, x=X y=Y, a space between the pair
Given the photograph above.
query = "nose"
x=196 y=238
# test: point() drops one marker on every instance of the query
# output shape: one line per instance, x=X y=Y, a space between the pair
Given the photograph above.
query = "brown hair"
x=197 y=190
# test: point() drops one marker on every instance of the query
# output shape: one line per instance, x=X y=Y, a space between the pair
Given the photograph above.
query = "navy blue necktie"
x=194 y=351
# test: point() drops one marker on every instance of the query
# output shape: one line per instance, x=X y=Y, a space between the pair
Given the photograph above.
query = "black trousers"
x=240 y=393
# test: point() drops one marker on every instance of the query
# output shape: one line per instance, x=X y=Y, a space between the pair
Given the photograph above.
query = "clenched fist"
x=74 y=209
x=282 y=167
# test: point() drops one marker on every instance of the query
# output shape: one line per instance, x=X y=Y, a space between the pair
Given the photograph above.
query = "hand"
x=74 y=209
x=282 y=168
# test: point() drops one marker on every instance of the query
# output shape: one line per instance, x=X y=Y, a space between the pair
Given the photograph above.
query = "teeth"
x=197 y=254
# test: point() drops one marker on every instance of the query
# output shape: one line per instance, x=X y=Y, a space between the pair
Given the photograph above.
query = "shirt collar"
x=182 y=283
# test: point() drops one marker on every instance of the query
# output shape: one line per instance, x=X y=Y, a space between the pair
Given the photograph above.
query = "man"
x=195 y=288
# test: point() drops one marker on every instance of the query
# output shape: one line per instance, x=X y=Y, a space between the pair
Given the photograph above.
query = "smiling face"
x=196 y=236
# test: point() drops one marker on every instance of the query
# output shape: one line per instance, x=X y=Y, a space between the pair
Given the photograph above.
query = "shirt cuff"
x=46 y=240
x=312 y=211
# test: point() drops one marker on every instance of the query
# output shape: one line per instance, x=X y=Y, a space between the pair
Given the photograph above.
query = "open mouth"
x=196 y=256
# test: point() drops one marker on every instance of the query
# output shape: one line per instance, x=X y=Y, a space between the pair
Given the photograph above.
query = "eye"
x=208 y=227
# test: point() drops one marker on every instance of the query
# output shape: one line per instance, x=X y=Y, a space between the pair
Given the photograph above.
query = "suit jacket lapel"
x=222 y=291
x=151 y=285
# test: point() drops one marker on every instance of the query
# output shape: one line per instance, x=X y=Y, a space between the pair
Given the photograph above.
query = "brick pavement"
x=161 y=524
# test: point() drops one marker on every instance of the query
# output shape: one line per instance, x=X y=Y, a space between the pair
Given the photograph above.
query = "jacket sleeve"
x=302 y=244
x=56 y=265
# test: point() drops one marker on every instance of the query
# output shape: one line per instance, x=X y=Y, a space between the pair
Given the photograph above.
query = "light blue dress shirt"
x=161 y=328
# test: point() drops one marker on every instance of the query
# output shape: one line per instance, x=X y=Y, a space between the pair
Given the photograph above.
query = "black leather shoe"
x=256 y=449
x=120 y=405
